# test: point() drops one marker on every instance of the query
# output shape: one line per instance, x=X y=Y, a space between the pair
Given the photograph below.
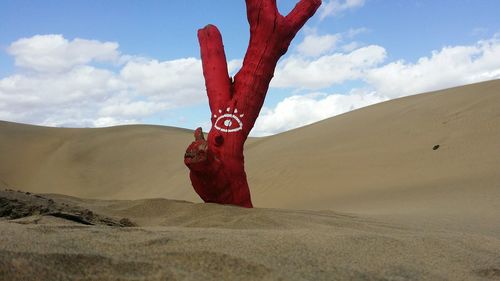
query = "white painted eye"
x=228 y=122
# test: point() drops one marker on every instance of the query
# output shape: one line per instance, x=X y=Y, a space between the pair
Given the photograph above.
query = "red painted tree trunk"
x=217 y=164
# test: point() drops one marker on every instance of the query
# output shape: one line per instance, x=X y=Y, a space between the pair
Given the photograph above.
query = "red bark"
x=217 y=164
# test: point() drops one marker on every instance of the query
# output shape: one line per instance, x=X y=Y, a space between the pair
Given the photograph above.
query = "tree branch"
x=216 y=165
x=214 y=65
x=304 y=10
x=270 y=37
x=260 y=10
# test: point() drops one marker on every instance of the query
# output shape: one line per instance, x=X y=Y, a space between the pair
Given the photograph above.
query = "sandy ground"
x=404 y=190
x=176 y=240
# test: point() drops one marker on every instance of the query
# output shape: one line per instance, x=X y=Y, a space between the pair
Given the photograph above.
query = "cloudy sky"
x=102 y=63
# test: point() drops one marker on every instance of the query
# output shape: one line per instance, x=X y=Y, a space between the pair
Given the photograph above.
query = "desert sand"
x=408 y=189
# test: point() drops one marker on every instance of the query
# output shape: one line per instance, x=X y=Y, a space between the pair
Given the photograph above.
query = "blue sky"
x=101 y=63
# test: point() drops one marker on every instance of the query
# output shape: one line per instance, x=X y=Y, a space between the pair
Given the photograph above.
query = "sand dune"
x=403 y=190
x=119 y=162
x=370 y=160
x=380 y=160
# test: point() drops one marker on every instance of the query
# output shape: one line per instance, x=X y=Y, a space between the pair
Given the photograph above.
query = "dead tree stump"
x=216 y=164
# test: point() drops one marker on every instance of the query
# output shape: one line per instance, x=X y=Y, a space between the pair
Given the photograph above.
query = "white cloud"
x=81 y=83
x=111 y=121
x=178 y=82
x=296 y=71
x=451 y=66
x=233 y=66
x=54 y=53
x=351 y=46
x=59 y=84
x=63 y=88
x=315 y=45
x=299 y=110
x=335 y=7
x=57 y=99
x=353 y=32
x=130 y=108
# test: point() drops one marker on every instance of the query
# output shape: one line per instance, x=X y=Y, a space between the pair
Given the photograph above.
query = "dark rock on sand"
x=16 y=205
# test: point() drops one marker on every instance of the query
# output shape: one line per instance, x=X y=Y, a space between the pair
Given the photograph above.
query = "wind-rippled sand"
x=176 y=240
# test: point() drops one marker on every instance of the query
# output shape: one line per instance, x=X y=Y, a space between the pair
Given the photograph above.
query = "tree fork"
x=216 y=164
